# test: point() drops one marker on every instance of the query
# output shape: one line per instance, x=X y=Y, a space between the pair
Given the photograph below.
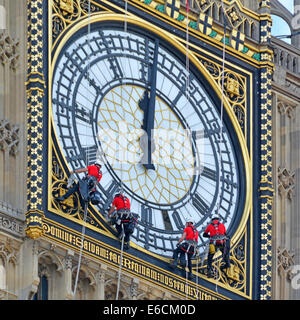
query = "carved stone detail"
x=285 y=262
x=67 y=262
x=134 y=288
x=286 y=109
x=286 y=183
x=7 y=251
x=11 y=225
x=9 y=51
x=9 y=137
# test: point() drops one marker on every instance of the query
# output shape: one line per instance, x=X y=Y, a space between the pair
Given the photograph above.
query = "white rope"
x=81 y=249
x=126 y=12
x=121 y=184
x=186 y=274
x=197 y=268
x=222 y=100
x=121 y=261
x=187 y=60
x=86 y=159
x=221 y=129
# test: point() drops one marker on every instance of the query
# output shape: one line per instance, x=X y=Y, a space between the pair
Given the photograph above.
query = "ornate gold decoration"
x=34 y=232
x=235 y=276
x=69 y=206
x=201 y=5
x=67 y=6
x=233 y=87
x=35 y=86
x=65 y=12
x=266 y=178
x=233 y=15
x=233 y=273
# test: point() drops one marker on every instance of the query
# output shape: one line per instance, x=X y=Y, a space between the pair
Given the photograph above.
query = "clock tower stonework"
x=42 y=242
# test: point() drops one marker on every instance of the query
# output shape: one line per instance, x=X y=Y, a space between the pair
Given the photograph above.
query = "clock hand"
x=148 y=105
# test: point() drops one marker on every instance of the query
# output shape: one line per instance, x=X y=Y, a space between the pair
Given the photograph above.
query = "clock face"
x=110 y=89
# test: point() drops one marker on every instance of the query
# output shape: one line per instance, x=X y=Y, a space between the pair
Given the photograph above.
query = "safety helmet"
x=97 y=163
x=215 y=218
x=190 y=221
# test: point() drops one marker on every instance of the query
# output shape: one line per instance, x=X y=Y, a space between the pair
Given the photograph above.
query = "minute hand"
x=149 y=114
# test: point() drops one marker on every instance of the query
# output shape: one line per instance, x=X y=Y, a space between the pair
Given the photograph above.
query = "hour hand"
x=146 y=140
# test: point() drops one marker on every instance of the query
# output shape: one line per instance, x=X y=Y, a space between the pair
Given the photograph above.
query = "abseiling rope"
x=187 y=94
x=122 y=159
x=221 y=129
x=87 y=163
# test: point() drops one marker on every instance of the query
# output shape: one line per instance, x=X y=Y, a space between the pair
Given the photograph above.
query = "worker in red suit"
x=216 y=232
x=186 y=248
x=123 y=219
x=93 y=176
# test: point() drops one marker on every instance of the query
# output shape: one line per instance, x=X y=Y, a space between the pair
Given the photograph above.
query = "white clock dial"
x=98 y=89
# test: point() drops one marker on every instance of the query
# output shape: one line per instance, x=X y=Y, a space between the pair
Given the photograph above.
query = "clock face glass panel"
x=99 y=83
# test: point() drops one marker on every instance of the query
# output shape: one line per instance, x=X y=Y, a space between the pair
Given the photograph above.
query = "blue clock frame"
x=252 y=249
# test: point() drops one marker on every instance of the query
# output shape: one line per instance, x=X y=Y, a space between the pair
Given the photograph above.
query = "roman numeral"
x=83 y=114
x=146 y=215
x=209 y=173
x=177 y=220
x=90 y=154
x=199 y=204
x=166 y=220
x=146 y=219
x=80 y=112
x=73 y=156
x=228 y=181
x=74 y=61
x=113 y=61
